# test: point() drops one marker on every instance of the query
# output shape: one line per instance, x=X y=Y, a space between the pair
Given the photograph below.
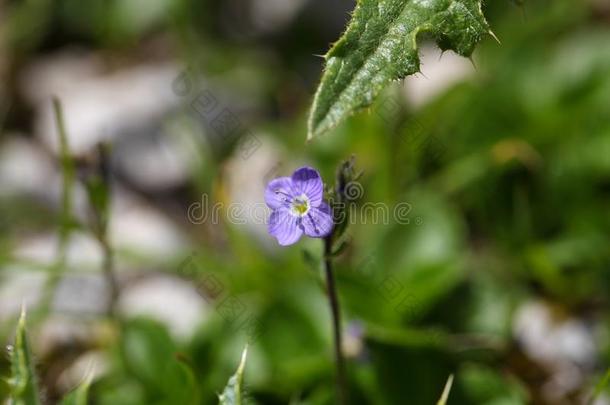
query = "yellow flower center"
x=300 y=205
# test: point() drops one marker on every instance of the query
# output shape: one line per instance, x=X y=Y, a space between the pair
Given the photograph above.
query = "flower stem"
x=110 y=275
x=66 y=224
x=336 y=318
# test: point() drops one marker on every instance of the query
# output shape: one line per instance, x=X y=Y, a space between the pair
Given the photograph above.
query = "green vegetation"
x=497 y=272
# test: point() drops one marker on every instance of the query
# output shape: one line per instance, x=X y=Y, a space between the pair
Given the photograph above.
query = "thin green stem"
x=68 y=173
x=97 y=184
x=110 y=275
x=66 y=221
x=336 y=321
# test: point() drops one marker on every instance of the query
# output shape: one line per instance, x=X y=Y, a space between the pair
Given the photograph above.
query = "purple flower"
x=298 y=207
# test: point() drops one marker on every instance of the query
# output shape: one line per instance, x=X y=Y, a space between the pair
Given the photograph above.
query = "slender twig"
x=66 y=221
x=336 y=319
x=110 y=275
x=98 y=187
x=68 y=173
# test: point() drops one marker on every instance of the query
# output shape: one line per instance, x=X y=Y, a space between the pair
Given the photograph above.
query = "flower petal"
x=279 y=192
x=308 y=181
x=318 y=223
x=284 y=226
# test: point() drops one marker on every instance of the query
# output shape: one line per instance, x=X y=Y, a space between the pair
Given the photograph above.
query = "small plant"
x=23 y=382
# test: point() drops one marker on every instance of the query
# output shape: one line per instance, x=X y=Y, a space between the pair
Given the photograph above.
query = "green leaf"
x=445 y=396
x=233 y=393
x=23 y=385
x=484 y=385
x=79 y=395
x=600 y=387
x=380 y=46
x=151 y=356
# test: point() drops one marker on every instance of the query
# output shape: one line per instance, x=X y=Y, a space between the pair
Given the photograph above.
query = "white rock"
x=97 y=105
x=564 y=346
x=83 y=251
x=135 y=227
x=82 y=294
x=439 y=72
x=92 y=364
x=25 y=168
x=156 y=161
x=60 y=330
x=19 y=286
x=273 y=15
x=551 y=340
x=142 y=229
x=167 y=299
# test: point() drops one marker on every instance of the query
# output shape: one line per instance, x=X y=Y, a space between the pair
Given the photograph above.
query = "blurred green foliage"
x=507 y=173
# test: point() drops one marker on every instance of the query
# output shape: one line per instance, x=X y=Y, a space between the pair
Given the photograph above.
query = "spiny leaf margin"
x=380 y=46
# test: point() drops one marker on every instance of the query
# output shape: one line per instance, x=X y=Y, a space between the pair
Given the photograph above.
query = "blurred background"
x=500 y=275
